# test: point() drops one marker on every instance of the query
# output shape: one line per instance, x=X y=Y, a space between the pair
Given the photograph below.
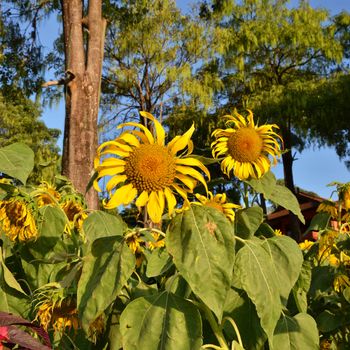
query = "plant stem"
x=246 y=195
x=234 y=326
x=215 y=327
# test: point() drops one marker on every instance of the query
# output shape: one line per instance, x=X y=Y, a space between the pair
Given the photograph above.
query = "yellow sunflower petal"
x=118 y=197
x=142 y=127
x=154 y=208
x=171 y=200
x=114 y=181
x=193 y=162
x=192 y=172
x=159 y=129
x=178 y=144
x=187 y=180
x=142 y=199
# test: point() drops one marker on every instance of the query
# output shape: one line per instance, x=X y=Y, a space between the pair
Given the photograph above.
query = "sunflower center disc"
x=245 y=145
x=150 y=168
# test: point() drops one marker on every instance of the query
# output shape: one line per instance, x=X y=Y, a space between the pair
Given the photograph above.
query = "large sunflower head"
x=246 y=147
x=141 y=165
x=17 y=219
x=220 y=203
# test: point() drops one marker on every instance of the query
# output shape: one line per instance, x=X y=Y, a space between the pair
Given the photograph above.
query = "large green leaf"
x=100 y=224
x=264 y=185
x=12 y=297
x=240 y=308
x=286 y=259
x=8 y=278
x=161 y=322
x=248 y=221
x=158 y=262
x=17 y=161
x=201 y=242
x=276 y=193
x=302 y=287
x=51 y=228
x=257 y=275
x=328 y=321
x=295 y=333
x=319 y=222
x=106 y=269
x=282 y=196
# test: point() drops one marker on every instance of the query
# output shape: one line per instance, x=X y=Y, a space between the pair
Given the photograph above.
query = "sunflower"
x=75 y=211
x=344 y=195
x=48 y=194
x=246 y=147
x=60 y=315
x=306 y=245
x=329 y=207
x=219 y=202
x=17 y=219
x=157 y=242
x=341 y=282
x=146 y=168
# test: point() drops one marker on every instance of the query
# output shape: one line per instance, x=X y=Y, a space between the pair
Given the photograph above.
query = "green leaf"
x=241 y=309
x=201 y=242
x=346 y=294
x=328 y=321
x=258 y=278
x=295 y=333
x=282 y=196
x=100 y=224
x=106 y=269
x=161 y=322
x=8 y=277
x=276 y=193
x=51 y=228
x=319 y=222
x=286 y=259
x=247 y=221
x=321 y=280
x=302 y=287
x=17 y=161
x=236 y=346
x=158 y=262
x=264 y=185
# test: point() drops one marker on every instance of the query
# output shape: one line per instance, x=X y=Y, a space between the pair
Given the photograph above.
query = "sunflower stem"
x=246 y=195
x=234 y=326
x=215 y=327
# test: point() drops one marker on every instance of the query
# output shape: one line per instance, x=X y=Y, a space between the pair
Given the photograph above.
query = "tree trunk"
x=287 y=159
x=83 y=63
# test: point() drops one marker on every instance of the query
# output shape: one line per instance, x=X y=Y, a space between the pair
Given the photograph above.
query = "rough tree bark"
x=83 y=46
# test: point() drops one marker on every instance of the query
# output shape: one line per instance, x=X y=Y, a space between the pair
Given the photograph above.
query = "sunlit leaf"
x=201 y=242
x=161 y=322
x=17 y=161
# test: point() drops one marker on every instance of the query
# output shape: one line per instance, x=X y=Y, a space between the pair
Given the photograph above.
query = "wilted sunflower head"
x=246 y=147
x=55 y=309
x=344 y=195
x=17 y=219
x=48 y=194
x=74 y=208
x=142 y=166
x=341 y=282
x=329 y=207
x=220 y=203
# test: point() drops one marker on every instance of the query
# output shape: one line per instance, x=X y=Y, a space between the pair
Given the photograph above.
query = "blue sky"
x=314 y=167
